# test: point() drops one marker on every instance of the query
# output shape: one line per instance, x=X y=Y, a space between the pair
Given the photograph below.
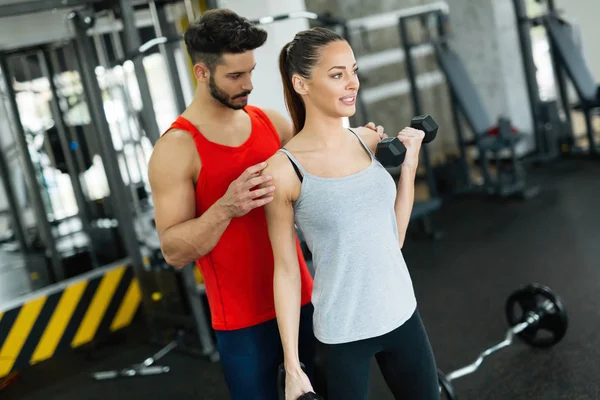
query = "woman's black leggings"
x=404 y=356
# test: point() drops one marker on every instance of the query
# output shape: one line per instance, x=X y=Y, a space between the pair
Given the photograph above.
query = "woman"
x=354 y=220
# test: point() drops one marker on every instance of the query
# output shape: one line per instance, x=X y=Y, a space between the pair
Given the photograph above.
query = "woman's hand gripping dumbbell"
x=391 y=151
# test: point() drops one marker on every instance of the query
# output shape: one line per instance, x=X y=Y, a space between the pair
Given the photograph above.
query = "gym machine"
x=159 y=295
x=17 y=229
x=494 y=142
x=70 y=149
x=567 y=62
x=536 y=315
x=33 y=179
x=83 y=237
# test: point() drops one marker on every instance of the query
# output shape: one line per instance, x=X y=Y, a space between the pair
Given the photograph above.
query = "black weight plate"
x=551 y=328
x=446 y=389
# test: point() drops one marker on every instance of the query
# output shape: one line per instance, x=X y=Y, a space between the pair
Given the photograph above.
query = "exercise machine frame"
x=546 y=114
x=499 y=140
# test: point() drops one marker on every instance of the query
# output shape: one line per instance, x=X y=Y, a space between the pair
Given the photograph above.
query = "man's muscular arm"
x=172 y=171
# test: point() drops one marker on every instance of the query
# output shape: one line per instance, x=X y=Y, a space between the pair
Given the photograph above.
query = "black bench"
x=488 y=137
x=571 y=59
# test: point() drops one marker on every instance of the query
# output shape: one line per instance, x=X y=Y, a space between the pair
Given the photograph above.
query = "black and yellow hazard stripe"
x=68 y=317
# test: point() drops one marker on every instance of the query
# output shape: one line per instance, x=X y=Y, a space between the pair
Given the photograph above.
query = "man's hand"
x=378 y=129
x=240 y=199
x=411 y=139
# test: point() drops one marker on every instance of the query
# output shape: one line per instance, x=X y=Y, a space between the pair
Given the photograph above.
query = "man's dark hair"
x=221 y=31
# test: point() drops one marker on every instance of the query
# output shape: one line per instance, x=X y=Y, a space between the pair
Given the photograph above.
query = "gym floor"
x=490 y=248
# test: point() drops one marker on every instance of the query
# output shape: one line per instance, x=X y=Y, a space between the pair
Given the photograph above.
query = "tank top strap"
x=183 y=124
x=363 y=143
x=201 y=142
x=294 y=160
x=300 y=171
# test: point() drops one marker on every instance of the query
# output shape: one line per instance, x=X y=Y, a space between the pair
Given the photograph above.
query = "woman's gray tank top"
x=362 y=288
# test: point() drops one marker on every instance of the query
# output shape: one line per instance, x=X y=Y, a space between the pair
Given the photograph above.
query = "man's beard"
x=222 y=97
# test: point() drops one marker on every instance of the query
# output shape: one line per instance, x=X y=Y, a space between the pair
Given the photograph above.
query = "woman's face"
x=333 y=84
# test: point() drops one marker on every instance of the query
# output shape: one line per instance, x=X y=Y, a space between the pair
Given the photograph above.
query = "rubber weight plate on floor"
x=552 y=325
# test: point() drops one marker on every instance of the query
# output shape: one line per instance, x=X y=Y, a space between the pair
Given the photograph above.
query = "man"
x=208 y=192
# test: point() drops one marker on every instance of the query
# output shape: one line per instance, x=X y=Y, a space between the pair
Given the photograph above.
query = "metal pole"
x=110 y=83
x=198 y=311
x=13 y=204
x=414 y=91
x=559 y=75
x=43 y=182
x=118 y=195
x=70 y=59
x=442 y=19
x=561 y=83
x=74 y=64
x=162 y=27
x=533 y=91
x=120 y=54
x=56 y=273
x=49 y=68
x=189 y=10
x=590 y=131
x=12 y=198
x=132 y=44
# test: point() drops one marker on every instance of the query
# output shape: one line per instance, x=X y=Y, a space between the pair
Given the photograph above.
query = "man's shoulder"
x=282 y=126
x=173 y=145
x=175 y=137
x=269 y=114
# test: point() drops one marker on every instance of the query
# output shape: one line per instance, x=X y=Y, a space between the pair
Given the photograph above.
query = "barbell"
x=536 y=315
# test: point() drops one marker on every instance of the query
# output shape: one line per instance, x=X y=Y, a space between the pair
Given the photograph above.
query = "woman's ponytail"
x=293 y=101
x=299 y=57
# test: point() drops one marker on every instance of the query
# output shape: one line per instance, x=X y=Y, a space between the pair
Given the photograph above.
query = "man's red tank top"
x=238 y=272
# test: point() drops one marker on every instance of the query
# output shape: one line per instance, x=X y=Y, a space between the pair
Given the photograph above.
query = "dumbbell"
x=310 y=396
x=390 y=151
x=281 y=385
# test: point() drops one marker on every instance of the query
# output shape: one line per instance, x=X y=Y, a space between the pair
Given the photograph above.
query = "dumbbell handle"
x=530 y=319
